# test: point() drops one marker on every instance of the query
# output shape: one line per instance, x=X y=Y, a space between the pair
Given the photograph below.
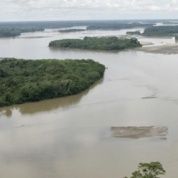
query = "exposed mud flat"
x=162 y=49
x=139 y=132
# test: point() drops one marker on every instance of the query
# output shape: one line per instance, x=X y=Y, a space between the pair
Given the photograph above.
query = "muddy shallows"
x=139 y=132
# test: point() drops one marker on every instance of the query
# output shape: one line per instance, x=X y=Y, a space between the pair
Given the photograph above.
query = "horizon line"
x=81 y=20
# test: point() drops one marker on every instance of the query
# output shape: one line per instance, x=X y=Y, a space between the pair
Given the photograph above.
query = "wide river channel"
x=71 y=137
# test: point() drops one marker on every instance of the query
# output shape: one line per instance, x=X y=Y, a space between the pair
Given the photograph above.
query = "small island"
x=117 y=25
x=134 y=33
x=6 y=32
x=34 y=80
x=71 y=30
x=97 y=43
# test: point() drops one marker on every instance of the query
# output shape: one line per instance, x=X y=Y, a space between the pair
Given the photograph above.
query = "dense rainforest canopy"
x=97 y=43
x=34 y=80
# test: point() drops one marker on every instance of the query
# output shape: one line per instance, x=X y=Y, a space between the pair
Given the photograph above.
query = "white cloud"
x=91 y=9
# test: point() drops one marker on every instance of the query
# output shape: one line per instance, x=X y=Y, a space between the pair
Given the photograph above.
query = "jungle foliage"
x=33 y=80
x=97 y=43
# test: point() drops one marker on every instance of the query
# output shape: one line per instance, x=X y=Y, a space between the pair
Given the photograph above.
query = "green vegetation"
x=13 y=29
x=116 y=25
x=161 y=31
x=97 y=43
x=8 y=32
x=148 y=170
x=34 y=80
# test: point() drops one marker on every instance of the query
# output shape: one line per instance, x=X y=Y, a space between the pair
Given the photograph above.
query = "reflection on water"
x=71 y=136
x=47 y=105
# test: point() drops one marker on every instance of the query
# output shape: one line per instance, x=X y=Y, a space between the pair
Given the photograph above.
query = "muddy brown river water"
x=71 y=137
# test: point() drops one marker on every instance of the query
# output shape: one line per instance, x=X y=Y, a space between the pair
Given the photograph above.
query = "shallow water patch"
x=139 y=132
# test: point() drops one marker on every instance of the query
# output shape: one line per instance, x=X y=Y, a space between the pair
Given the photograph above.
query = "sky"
x=22 y=10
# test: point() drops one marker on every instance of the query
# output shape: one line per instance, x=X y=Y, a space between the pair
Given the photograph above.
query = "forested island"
x=34 y=80
x=97 y=43
x=71 y=30
x=134 y=33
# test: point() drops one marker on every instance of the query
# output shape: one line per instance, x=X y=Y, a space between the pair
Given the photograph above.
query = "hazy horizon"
x=52 y=10
x=83 y=20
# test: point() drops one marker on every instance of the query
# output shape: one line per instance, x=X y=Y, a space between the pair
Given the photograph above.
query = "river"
x=71 y=137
